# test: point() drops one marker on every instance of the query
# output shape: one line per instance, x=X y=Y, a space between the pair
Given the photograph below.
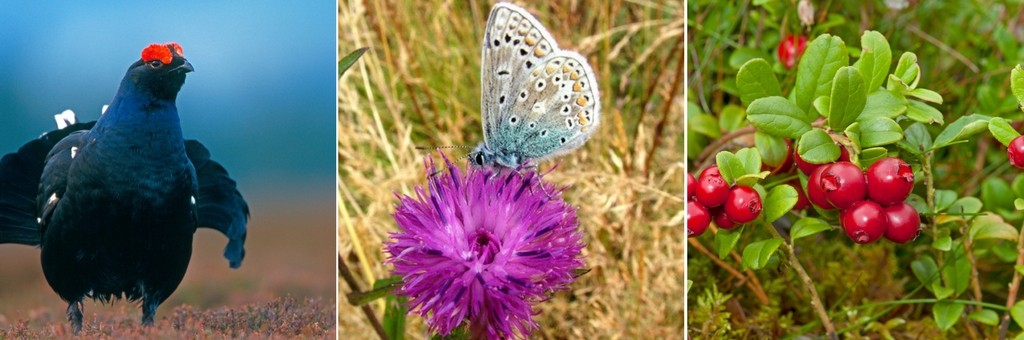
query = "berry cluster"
x=711 y=197
x=871 y=203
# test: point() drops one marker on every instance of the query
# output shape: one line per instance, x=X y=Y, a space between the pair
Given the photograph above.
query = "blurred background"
x=262 y=99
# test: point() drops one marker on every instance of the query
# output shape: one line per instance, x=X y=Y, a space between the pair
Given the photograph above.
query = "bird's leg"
x=75 y=315
x=149 y=305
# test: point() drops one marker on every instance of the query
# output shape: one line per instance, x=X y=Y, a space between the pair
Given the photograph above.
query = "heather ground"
x=285 y=287
x=419 y=85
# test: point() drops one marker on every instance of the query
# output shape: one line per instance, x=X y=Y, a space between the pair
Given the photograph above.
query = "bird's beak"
x=184 y=68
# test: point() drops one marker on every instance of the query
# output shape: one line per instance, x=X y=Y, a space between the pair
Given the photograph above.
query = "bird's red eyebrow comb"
x=161 y=52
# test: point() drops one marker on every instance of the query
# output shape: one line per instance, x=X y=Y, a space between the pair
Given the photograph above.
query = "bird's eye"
x=155 y=63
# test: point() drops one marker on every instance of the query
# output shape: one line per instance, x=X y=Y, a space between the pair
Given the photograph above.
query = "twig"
x=830 y=330
x=968 y=249
x=718 y=143
x=714 y=258
x=1011 y=298
x=750 y=280
x=346 y=274
x=945 y=48
x=667 y=108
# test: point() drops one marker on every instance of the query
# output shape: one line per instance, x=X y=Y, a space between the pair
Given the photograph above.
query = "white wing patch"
x=64 y=119
x=74 y=151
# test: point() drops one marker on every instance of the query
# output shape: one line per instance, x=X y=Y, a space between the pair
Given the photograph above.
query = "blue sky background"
x=262 y=98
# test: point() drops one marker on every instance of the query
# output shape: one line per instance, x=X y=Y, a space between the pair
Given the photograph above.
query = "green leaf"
x=991 y=226
x=780 y=200
x=1018 y=185
x=962 y=128
x=896 y=85
x=923 y=113
x=879 y=131
x=871 y=155
x=808 y=226
x=996 y=193
x=944 y=199
x=732 y=118
x=751 y=179
x=957 y=270
x=847 y=99
x=704 y=124
x=1017 y=312
x=1017 y=83
x=756 y=254
x=907 y=70
x=967 y=205
x=985 y=316
x=926 y=95
x=816 y=147
x=1019 y=269
x=853 y=132
x=756 y=80
x=820 y=105
x=942 y=240
x=350 y=59
x=729 y=166
x=916 y=139
x=926 y=271
x=1001 y=130
x=777 y=116
x=947 y=313
x=818 y=65
x=743 y=55
x=751 y=160
x=773 y=149
x=726 y=240
x=883 y=104
x=1018 y=203
x=875 y=59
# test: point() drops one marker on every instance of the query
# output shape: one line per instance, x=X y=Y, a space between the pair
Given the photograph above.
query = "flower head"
x=484 y=246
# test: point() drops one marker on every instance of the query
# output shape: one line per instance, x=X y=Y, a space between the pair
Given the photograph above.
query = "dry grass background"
x=419 y=85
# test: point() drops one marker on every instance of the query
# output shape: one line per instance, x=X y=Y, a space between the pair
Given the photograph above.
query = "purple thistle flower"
x=484 y=247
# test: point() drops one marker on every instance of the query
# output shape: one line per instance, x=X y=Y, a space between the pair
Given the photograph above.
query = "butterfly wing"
x=538 y=101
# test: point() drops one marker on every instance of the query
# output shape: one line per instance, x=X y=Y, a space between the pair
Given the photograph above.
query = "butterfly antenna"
x=443 y=147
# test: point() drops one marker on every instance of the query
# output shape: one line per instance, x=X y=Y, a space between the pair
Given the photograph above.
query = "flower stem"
x=346 y=274
x=830 y=329
x=1011 y=298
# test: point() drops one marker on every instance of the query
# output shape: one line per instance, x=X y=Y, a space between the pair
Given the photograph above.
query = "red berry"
x=904 y=223
x=805 y=167
x=722 y=220
x=1015 y=151
x=712 y=190
x=890 y=181
x=844 y=156
x=815 y=192
x=743 y=205
x=790 y=50
x=691 y=186
x=864 y=222
x=697 y=219
x=843 y=184
x=801 y=198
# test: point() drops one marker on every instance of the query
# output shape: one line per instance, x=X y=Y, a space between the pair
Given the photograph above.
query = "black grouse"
x=113 y=204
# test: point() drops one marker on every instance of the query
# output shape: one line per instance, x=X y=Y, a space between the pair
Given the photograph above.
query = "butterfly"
x=538 y=101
